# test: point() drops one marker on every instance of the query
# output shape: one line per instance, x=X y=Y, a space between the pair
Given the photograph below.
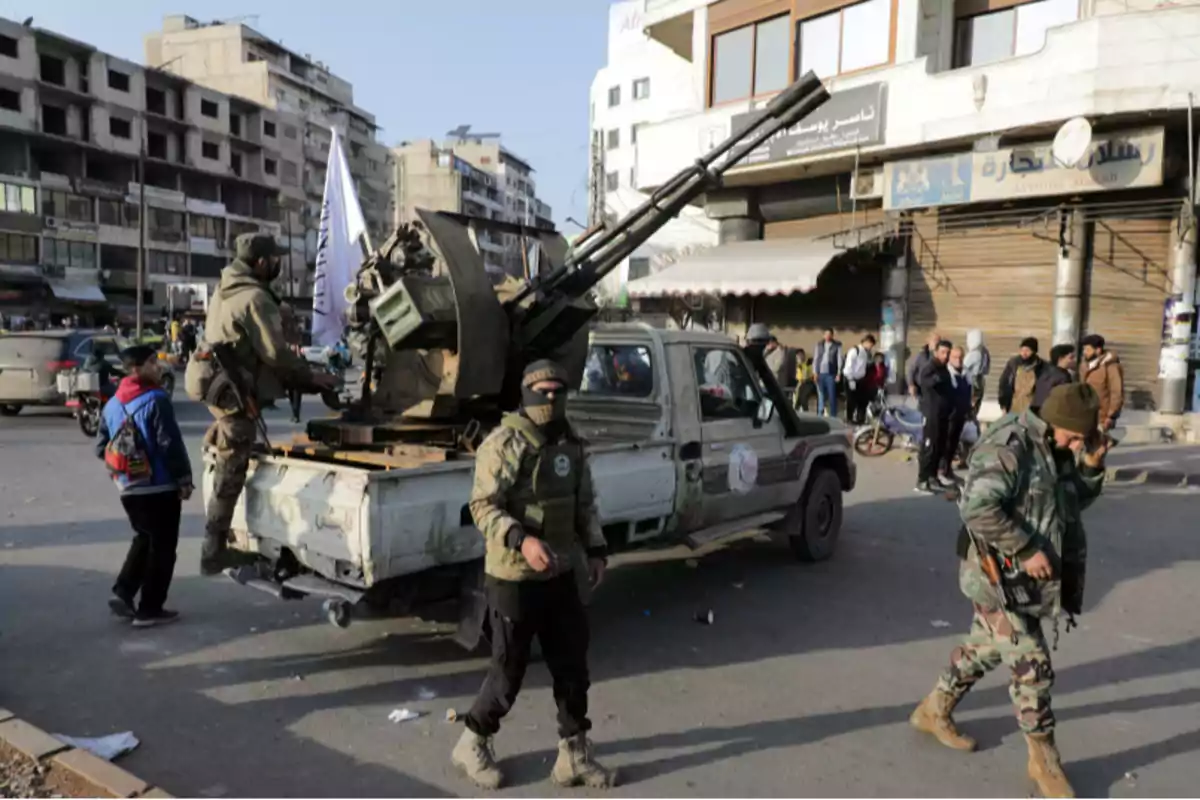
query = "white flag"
x=338 y=253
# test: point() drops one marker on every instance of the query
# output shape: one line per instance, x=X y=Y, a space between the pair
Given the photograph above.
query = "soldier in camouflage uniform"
x=1026 y=486
x=244 y=313
x=533 y=502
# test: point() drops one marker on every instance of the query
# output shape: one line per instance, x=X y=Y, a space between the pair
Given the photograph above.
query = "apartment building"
x=234 y=58
x=643 y=82
x=472 y=174
x=926 y=194
x=73 y=121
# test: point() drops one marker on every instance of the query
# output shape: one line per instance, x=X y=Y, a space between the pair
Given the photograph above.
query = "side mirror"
x=766 y=410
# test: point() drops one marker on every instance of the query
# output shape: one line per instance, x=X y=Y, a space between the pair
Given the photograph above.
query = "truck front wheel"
x=813 y=525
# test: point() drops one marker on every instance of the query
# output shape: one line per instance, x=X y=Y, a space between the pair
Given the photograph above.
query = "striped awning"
x=772 y=267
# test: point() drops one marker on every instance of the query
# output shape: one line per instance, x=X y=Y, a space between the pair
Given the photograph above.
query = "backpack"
x=126 y=455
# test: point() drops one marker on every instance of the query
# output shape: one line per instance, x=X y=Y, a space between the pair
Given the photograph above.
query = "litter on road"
x=404 y=715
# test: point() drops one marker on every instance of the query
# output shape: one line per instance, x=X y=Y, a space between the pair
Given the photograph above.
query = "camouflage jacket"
x=1021 y=497
x=505 y=470
x=246 y=313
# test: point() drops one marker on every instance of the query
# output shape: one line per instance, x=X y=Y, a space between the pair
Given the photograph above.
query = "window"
x=121 y=128
x=641 y=89
x=633 y=177
x=211 y=150
x=633 y=134
x=8 y=47
x=164 y=263
x=207 y=266
x=235 y=124
x=638 y=268
x=727 y=390
x=290 y=132
x=270 y=166
x=118 y=80
x=54 y=120
x=156 y=101
x=17 y=248
x=268 y=128
x=53 y=70
x=64 y=205
x=612 y=181
x=614 y=96
x=10 y=100
x=235 y=163
x=60 y=252
x=852 y=38
x=207 y=227
x=156 y=145
x=117 y=212
x=618 y=369
x=163 y=219
x=209 y=109
x=291 y=173
x=750 y=61
x=614 y=139
x=18 y=199
x=1016 y=31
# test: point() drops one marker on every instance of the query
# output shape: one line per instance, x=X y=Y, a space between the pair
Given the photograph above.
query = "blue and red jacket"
x=152 y=412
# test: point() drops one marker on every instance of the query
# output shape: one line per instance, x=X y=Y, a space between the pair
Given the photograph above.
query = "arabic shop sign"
x=849 y=118
x=1126 y=160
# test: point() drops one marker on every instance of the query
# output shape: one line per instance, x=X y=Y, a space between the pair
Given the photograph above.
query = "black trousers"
x=857 y=400
x=552 y=611
x=933 y=449
x=150 y=563
x=954 y=429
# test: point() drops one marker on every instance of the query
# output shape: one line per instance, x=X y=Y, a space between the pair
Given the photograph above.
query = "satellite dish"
x=1072 y=141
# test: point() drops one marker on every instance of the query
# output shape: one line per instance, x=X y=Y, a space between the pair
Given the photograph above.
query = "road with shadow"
x=802 y=685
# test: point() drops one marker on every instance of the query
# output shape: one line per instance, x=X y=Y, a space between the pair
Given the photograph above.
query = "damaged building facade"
x=926 y=195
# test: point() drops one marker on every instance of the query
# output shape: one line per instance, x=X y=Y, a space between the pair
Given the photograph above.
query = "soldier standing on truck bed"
x=244 y=320
x=533 y=502
x=1024 y=557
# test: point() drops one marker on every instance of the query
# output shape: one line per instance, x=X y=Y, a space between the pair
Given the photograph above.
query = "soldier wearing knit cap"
x=1029 y=479
x=534 y=503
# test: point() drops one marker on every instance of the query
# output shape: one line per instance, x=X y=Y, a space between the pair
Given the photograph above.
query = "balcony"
x=1120 y=64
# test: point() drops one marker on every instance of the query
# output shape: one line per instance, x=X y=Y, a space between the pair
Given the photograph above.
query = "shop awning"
x=77 y=292
x=773 y=266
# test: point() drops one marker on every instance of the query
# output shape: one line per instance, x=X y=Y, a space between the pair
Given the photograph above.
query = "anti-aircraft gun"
x=444 y=345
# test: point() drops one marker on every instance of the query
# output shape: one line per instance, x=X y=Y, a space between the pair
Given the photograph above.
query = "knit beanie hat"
x=1031 y=342
x=1073 y=407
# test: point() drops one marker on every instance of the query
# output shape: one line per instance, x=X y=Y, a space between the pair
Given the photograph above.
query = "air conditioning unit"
x=867 y=184
x=51 y=222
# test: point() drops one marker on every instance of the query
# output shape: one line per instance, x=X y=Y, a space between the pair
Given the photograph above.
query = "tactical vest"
x=546 y=501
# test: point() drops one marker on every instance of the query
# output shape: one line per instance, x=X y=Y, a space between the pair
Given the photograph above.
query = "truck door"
x=743 y=459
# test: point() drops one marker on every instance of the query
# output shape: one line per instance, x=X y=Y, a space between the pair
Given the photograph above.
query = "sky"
x=522 y=68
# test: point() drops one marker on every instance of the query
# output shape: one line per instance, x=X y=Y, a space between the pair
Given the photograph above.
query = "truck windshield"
x=618 y=369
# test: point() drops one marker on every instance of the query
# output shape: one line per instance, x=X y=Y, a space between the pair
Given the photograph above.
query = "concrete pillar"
x=1069 y=278
x=737 y=215
x=893 y=323
x=1173 y=361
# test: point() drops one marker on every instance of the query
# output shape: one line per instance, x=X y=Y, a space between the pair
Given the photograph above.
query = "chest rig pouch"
x=547 y=507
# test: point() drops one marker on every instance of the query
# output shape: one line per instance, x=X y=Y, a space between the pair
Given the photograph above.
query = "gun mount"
x=444 y=344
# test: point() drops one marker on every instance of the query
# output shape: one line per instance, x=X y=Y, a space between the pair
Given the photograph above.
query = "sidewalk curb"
x=40 y=746
x=1153 y=477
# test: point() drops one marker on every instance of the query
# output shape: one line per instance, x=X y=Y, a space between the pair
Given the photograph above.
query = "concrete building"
x=925 y=194
x=72 y=123
x=236 y=59
x=643 y=82
x=472 y=174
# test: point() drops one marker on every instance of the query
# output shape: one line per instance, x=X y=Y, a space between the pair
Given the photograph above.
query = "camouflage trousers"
x=231 y=440
x=1015 y=640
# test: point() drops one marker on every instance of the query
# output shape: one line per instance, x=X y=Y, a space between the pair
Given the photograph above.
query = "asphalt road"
x=801 y=687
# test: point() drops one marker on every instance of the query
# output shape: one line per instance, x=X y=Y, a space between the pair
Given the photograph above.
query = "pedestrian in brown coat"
x=1102 y=371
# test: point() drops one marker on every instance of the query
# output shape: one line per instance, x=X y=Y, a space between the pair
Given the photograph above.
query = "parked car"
x=30 y=363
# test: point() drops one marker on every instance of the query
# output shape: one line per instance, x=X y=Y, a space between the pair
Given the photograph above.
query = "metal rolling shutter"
x=1128 y=282
x=846 y=299
x=991 y=274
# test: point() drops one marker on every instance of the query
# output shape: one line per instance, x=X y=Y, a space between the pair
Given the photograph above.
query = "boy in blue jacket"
x=149 y=463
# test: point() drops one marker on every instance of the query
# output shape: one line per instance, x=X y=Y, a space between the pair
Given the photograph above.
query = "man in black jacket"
x=1059 y=370
x=936 y=392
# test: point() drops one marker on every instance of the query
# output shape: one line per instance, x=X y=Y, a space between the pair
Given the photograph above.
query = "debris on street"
x=939 y=623
x=404 y=715
x=109 y=747
x=451 y=715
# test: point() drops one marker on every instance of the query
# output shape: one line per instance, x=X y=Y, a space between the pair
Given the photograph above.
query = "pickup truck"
x=689 y=440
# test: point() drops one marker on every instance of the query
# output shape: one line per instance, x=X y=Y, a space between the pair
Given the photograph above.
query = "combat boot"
x=576 y=765
x=473 y=755
x=1045 y=766
x=932 y=716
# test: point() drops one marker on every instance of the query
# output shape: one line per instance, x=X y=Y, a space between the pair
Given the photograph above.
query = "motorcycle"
x=85 y=398
x=889 y=422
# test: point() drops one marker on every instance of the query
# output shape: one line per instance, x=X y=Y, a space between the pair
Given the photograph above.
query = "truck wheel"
x=813 y=525
x=337 y=612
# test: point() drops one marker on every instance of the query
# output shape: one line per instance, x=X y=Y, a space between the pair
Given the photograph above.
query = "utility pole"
x=141 y=259
x=596 y=182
